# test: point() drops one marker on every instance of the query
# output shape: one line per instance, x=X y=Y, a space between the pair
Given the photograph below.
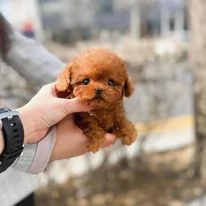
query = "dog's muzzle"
x=98 y=92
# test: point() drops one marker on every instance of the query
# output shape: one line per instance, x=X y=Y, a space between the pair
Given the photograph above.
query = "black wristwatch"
x=13 y=134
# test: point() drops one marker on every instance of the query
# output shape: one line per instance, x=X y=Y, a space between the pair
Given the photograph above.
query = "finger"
x=49 y=89
x=110 y=139
x=69 y=105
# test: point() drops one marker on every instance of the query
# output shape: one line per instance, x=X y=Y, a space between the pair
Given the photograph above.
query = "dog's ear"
x=63 y=88
x=128 y=87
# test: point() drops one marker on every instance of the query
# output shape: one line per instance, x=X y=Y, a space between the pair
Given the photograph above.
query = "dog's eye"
x=86 y=81
x=110 y=82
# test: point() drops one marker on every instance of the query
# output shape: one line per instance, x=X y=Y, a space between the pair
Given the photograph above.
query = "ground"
x=130 y=183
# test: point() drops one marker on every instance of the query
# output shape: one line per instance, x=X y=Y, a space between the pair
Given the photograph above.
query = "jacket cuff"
x=35 y=157
x=25 y=160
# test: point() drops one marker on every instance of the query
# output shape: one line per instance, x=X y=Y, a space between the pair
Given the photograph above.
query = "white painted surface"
x=198 y=202
x=18 y=11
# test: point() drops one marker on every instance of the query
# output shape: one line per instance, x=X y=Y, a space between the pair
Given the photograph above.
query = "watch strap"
x=13 y=134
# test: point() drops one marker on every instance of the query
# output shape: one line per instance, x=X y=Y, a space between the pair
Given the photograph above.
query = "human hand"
x=71 y=142
x=44 y=110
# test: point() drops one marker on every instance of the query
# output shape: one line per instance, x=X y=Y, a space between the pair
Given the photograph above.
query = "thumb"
x=74 y=105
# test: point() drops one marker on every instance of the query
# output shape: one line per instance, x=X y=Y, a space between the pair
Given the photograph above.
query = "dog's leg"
x=130 y=133
x=96 y=138
x=92 y=130
x=126 y=131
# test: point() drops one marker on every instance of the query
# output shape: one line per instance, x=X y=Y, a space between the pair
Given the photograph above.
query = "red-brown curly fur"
x=99 y=78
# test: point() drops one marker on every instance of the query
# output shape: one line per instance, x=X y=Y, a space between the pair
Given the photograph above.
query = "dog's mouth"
x=97 y=98
x=97 y=102
x=98 y=95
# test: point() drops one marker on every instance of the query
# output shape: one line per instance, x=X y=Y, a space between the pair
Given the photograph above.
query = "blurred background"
x=164 y=45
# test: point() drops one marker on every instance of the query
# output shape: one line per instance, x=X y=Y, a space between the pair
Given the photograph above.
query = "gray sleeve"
x=32 y=61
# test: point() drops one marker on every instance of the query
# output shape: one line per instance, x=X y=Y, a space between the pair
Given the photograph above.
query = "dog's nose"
x=98 y=92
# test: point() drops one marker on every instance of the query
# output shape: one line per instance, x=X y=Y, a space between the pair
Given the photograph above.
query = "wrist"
x=28 y=125
x=1 y=141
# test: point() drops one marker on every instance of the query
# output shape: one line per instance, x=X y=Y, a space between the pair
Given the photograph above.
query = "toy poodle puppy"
x=99 y=78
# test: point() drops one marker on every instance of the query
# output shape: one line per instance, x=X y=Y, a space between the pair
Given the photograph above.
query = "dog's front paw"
x=95 y=144
x=92 y=147
x=128 y=140
x=130 y=135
